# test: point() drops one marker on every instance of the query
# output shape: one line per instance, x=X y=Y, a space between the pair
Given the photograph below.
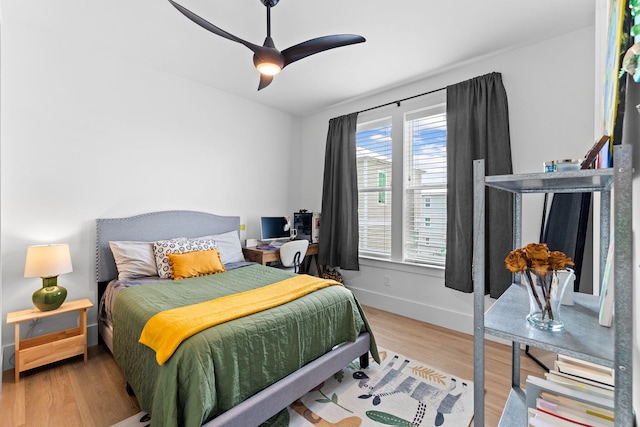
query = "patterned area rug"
x=398 y=392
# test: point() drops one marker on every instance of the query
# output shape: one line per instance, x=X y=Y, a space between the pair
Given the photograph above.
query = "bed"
x=233 y=373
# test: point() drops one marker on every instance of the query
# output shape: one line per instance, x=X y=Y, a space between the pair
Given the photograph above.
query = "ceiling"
x=406 y=40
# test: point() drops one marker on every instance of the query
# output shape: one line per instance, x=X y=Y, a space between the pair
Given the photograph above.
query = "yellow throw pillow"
x=196 y=263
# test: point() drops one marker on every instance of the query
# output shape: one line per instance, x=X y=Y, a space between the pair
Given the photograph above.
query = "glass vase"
x=545 y=296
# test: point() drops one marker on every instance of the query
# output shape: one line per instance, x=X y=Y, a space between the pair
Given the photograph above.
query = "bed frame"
x=168 y=224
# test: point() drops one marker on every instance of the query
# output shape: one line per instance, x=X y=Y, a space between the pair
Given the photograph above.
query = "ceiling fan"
x=267 y=59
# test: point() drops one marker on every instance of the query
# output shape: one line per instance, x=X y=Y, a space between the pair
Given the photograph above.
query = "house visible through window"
x=402 y=178
x=382 y=183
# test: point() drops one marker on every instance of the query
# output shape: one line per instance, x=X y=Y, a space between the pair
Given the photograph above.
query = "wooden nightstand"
x=49 y=348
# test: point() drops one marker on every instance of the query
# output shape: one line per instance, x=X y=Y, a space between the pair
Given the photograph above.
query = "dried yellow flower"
x=536 y=257
x=537 y=253
x=558 y=260
x=516 y=261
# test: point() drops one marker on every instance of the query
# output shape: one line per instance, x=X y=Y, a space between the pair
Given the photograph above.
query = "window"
x=373 y=157
x=402 y=177
x=425 y=201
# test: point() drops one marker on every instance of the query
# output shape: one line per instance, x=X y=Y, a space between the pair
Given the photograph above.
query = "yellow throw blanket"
x=166 y=330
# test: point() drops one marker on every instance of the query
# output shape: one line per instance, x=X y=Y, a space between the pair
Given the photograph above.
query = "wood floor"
x=74 y=393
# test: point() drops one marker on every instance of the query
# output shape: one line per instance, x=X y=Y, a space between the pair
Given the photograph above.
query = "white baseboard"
x=457 y=321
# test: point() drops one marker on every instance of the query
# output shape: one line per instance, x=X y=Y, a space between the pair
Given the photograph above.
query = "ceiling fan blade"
x=320 y=44
x=215 y=30
x=264 y=81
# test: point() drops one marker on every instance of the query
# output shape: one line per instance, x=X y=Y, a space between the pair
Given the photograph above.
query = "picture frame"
x=591 y=158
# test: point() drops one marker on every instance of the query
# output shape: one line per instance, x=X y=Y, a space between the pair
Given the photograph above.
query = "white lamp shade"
x=47 y=261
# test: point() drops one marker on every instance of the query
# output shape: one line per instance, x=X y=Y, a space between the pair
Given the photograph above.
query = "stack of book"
x=575 y=393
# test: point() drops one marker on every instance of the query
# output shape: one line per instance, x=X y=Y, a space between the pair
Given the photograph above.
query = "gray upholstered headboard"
x=154 y=226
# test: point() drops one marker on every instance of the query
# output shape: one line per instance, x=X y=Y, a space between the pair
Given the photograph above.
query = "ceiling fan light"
x=268 y=68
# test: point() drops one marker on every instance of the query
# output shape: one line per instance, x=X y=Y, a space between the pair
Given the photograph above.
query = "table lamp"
x=48 y=261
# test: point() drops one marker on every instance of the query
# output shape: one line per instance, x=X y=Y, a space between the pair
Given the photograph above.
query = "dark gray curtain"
x=478 y=128
x=339 y=223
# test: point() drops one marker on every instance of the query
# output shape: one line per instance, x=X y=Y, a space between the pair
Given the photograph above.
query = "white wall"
x=551 y=106
x=88 y=134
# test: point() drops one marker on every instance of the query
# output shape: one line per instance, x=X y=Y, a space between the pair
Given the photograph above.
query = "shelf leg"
x=623 y=291
x=478 y=291
x=515 y=364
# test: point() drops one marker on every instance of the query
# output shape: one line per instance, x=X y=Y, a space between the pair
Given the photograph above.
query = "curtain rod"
x=401 y=100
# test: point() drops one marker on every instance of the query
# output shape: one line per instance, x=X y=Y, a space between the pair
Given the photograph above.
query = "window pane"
x=425 y=203
x=375 y=224
x=373 y=154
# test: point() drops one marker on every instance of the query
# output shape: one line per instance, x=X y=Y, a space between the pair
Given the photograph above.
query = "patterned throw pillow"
x=163 y=247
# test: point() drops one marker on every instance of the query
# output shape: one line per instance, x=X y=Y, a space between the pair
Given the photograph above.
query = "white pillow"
x=134 y=259
x=163 y=247
x=228 y=244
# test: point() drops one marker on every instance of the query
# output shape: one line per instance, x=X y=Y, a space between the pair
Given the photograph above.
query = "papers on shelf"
x=551 y=404
x=585 y=385
x=564 y=399
x=583 y=369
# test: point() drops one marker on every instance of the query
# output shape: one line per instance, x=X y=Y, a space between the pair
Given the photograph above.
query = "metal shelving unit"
x=582 y=337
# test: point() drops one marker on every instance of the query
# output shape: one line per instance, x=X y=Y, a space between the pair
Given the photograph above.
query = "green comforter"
x=220 y=367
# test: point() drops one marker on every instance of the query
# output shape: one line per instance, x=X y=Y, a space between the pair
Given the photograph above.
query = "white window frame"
x=397 y=187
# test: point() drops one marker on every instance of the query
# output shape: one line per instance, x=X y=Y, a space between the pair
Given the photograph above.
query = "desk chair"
x=292 y=253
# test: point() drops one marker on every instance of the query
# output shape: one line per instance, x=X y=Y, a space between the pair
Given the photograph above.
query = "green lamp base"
x=49 y=298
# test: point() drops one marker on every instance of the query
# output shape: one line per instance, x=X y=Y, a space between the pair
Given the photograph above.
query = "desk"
x=263 y=256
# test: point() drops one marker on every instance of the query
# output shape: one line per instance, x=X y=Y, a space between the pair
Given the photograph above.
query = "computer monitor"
x=274 y=228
